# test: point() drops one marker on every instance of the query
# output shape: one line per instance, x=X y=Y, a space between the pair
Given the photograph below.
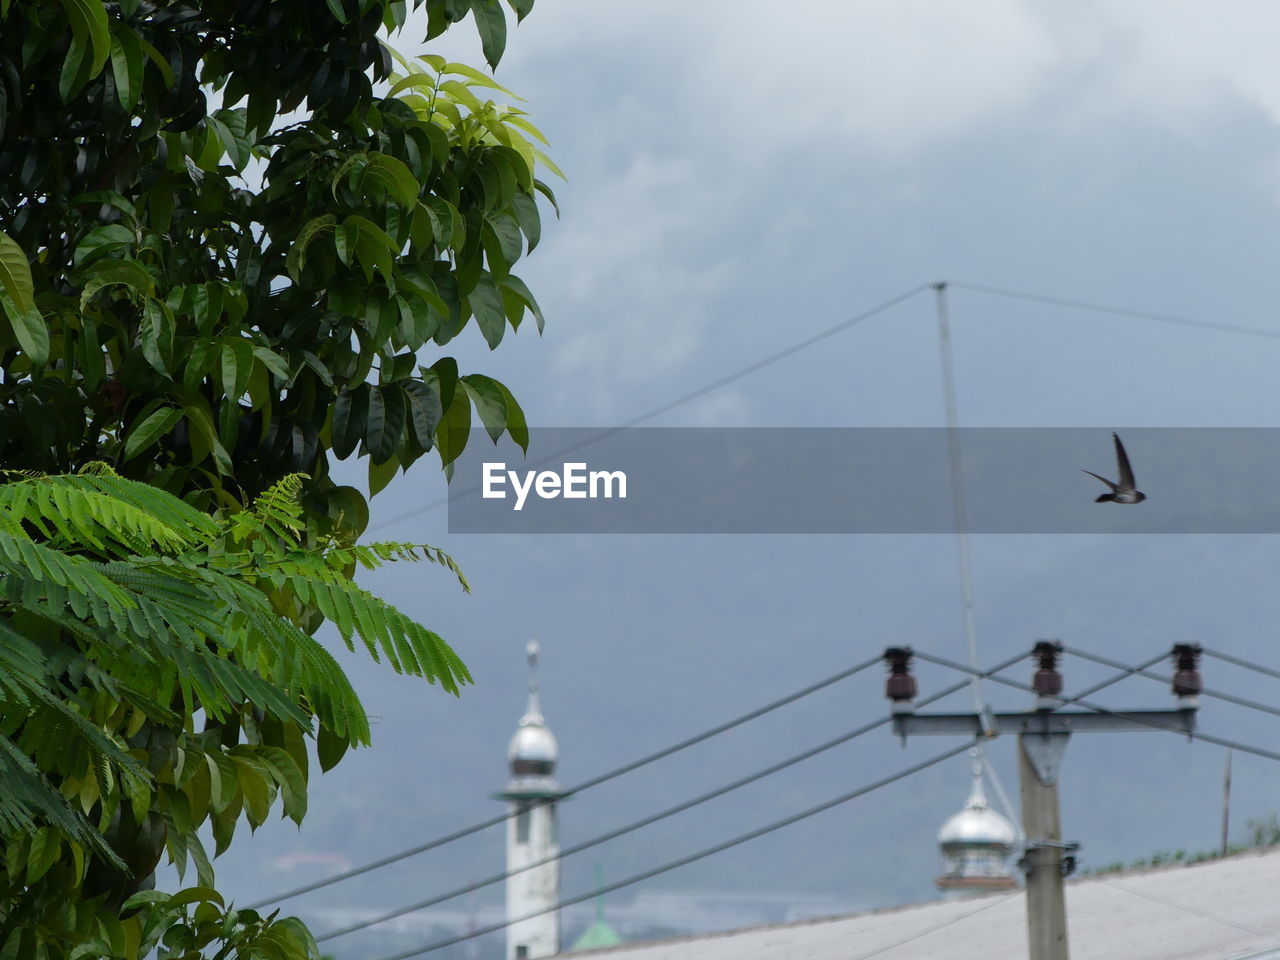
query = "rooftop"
x=1218 y=910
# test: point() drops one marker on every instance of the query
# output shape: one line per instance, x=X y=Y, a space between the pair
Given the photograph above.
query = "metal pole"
x=1046 y=903
x=958 y=502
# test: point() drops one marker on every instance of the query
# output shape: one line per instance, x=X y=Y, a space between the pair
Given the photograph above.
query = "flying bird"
x=1124 y=490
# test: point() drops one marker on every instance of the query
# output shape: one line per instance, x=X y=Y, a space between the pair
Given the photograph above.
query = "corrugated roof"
x=1219 y=910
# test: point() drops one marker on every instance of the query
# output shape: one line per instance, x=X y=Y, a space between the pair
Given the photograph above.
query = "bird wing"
x=1122 y=458
x=1103 y=479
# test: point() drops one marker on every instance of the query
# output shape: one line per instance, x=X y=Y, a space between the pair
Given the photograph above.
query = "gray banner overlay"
x=866 y=480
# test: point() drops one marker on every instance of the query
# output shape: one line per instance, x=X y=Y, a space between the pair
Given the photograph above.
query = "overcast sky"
x=740 y=178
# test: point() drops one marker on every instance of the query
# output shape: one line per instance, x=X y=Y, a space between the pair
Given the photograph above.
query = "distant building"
x=532 y=833
x=976 y=845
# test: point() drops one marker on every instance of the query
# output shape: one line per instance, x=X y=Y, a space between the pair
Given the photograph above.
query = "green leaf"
x=350 y=416
x=201 y=357
x=345 y=239
x=381 y=474
x=127 y=65
x=296 y=261
x=348 y=509
x=157 y=334
x=454 y=428
x=273 y=362
x=521 y=7
x=161 y=63
x=237 y=365
x=394 y=177
x=517 y=428
x=144 y=898
x=102 y=240
x=128 y=273
x=43 y=853
x=372 y=246
x=92 y=363
x=424 y=412
x=385 y=422
x=547 y=192
x=255 y=789
x=526 y=211
x=75 y=69
x=516 y=286
x=196 y=895
x=490 y=401
x=335 y=7
x=491 y=23
x=230 y=127
x=293 y=785
x=29 y=328
x=149 y=430
x=15 y=275
x=506 y=232
x=204 y=438
x=477 y=79
x=329 y=748
x=486 y=303
x=443 y=375
x=89 y=26
x=424 y=80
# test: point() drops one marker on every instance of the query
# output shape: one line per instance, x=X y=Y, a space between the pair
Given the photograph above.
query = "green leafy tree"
x=236 y=238
x=174 y=615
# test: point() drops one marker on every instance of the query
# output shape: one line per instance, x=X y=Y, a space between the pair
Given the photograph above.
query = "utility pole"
x=1043 y=863
x=1042 y=739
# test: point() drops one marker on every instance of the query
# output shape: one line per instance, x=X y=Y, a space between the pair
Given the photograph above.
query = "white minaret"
x=532 y=835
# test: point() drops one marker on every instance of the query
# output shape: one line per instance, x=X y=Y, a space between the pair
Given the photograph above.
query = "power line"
x=1117 y=311
x=654 y=818
x=681 y=807
x=1125 y=672
x=1247 y=664
x=579 y=788
x=693 y=857
x=1204 y=691
x=1095 y=708
x=854 y=321
x=620 y=831
x=700 y=392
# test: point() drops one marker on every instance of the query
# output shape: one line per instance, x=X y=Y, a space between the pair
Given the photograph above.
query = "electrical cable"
x=693 y=857
x=1095 y=708
x=698 y=393
x=853 y=321
x=1126 y=672
x=1247 y=664
x=1116 y=311
x=578 y=788
x=652 y=818
x=1204 y=691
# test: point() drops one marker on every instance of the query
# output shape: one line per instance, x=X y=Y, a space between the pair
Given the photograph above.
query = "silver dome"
x=533 y=751
x=977 y=825
x=533 y=742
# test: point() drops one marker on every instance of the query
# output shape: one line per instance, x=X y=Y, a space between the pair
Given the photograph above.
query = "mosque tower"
x=532 y=834
x=976 y=846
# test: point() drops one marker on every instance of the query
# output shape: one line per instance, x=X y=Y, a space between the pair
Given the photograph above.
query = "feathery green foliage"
x=125 y=614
